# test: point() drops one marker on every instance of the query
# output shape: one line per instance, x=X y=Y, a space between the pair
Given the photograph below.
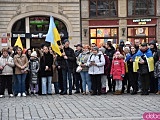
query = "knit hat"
x=34 y=54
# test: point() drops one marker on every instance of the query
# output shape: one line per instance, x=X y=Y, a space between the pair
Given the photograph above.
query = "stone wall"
x=66 y=10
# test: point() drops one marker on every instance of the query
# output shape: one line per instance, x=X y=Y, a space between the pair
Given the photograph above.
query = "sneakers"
x=24 y=94
x=19 y=95
x=1 y=96
x=11 y=95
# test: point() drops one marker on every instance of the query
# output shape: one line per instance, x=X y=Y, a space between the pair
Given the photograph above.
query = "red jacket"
x=117 y=69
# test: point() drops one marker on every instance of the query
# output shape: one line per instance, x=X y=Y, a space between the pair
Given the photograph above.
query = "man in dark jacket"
x=66 y=64
x=78 y=80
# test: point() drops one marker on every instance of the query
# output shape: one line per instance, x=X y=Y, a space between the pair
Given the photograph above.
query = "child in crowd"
x=34 y=68
x=117 y=72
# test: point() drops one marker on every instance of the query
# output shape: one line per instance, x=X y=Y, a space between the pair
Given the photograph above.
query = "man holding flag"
x=67 y=57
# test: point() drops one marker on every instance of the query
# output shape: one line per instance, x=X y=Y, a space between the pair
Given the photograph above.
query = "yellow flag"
x=19 y=42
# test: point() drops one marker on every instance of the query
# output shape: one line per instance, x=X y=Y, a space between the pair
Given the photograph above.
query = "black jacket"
x=67 y=64
x=46 y=60
x=110 y=53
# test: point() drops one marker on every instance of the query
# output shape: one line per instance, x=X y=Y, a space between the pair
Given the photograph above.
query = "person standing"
x=77 y=75
x=6 y=66
x=144 y=63
x=21 y=67
x=117 y=72
x=33 y=69
x=110 y=50
x=66 y=64
x=133 y=76
x=82 y=61
x=46 y=70
x=96 y=62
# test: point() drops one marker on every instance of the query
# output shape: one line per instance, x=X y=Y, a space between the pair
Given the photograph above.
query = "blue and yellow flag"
x=149 y=57
x=19 y=42
x=53 y=36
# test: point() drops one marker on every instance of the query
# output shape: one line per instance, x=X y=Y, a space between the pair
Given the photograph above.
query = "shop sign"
x=142 y=20
x=4 y=41
x=16 y=35
x=39 y=35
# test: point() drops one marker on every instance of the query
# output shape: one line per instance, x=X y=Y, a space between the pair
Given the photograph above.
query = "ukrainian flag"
x=53 y=36
x=149 y=57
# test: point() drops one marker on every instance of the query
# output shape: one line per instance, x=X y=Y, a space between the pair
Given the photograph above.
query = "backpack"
x=99 y=55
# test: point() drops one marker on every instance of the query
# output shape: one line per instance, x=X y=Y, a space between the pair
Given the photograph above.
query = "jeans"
x=159 y=84
x=118 y=85
x=15 y=84
x=21 y=82
x=78 y=81
x=67 y=74
x=46 y=89
x=86 y=79
x=56 y=87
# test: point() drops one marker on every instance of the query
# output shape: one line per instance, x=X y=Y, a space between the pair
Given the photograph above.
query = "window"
x=141 y=7
x=145 y=34
x=101 y=35
x=19 y=26
x=103 y=8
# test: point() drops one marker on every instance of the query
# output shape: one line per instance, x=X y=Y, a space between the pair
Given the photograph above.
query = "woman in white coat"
x=96 y=62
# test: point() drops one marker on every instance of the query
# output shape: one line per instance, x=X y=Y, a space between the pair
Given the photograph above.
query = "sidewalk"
x=78 y=107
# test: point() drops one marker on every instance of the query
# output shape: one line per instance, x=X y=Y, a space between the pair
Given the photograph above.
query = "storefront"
x=142 y=29
x=37 y=30
x=102 y=30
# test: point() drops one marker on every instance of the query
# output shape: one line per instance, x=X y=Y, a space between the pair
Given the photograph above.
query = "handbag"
x=79 y=69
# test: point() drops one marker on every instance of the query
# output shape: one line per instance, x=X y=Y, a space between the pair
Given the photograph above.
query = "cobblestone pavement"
x=78 y=107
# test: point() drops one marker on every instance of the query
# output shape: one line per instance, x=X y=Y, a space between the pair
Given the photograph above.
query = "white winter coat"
x=99 y=68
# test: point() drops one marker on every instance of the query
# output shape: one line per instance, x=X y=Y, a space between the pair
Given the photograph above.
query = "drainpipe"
x=80 y=22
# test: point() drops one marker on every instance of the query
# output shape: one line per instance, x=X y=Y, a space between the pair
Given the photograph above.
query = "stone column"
x=27 y=31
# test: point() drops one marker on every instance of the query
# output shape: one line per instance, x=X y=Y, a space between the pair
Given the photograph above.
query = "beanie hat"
x=34 y=54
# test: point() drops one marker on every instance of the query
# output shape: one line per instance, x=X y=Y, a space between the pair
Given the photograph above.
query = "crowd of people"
x=87 y=70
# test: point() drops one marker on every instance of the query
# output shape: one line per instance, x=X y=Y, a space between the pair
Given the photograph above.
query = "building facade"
x=120 y=20
x=30 y=19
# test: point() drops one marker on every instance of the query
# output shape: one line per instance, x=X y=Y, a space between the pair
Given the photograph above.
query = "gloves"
x=122 y=75
x=110 y=76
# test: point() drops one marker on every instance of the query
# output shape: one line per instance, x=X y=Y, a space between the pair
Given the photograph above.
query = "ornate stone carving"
x=18 y=10
x=61 y=11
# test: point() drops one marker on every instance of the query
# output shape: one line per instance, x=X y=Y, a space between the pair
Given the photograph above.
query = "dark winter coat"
x=110 y=53
x=157 y=69
x=143 y=68
x=46 y=60
x=67 y=64
x=107 y=65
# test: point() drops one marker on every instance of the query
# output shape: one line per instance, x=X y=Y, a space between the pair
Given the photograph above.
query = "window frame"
x=155 y=7
x=110 y=37
x=98 y=16
x=142 y=37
